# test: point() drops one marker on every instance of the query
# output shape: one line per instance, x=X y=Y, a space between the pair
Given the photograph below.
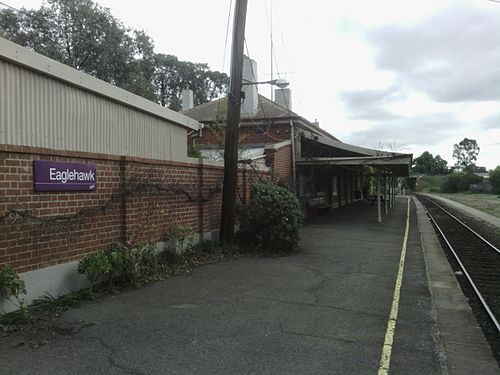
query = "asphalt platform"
x=324 y=310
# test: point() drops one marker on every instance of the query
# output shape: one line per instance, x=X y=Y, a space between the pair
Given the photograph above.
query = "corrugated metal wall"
x=39 y=111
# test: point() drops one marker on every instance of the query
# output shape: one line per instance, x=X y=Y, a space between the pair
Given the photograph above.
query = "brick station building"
x=323 y=171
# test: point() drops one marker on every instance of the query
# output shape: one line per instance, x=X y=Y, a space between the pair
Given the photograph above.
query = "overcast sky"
x=411 y=75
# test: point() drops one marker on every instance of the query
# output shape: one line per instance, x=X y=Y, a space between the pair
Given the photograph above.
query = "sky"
x=403 y=75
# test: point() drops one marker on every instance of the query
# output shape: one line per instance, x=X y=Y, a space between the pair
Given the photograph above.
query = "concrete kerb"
x=464 y=347
x=63 y=278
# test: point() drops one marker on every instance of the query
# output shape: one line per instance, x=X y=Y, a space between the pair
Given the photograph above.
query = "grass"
x=488 y=203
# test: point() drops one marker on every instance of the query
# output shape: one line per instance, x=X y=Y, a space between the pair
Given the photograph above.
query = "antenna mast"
x=272 y=47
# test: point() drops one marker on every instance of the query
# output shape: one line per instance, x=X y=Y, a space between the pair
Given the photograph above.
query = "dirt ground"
x=488 y=203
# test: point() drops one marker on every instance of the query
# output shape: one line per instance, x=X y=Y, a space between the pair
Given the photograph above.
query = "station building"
x=323 y=171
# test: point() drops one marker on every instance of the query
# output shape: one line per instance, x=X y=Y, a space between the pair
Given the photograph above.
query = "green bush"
x=94 y=266
x=179 y=237
x=459 y=182
x=125 y=264
x=12 y=287
x=495 y=180
x=115 y=258
x=140 y=263
x=271 y=219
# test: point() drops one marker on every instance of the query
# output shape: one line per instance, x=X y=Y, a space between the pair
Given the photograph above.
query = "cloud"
x=425 y=130
x=491 y=122
x=367 y=104
x=453 y=56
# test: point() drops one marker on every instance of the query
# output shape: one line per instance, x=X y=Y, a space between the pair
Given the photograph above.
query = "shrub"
x=115 y=258
x=459 y=182
x=271 y=219
x=180 y=237
x=94 y=266
x=495 y=180
x=140 y=262
x=12 y=287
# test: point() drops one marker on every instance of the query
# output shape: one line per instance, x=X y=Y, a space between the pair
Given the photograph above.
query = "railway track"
x=477 y=257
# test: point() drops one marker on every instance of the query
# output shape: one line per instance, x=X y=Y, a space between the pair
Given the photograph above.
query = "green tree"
x=428 y=164
x=172 y=76
x=495 y=180
x=87 y=37
x=465 y=153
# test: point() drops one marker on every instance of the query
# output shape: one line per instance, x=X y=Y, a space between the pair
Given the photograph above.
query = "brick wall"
x=280 y=162
x=136 y=199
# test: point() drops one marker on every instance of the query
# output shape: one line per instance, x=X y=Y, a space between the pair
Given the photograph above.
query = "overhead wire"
x=31 y=15
x=11 y=7
x=266 y=131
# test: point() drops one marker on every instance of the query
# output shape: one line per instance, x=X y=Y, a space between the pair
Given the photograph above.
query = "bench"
x=318 y=206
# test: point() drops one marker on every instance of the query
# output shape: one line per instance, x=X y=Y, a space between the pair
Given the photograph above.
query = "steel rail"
x=467 y=275
x=466 y=226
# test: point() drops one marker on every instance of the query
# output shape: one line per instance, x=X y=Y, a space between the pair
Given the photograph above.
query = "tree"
x=172 y=75
x=465 y=154
x=87 y=37
x=495 y=180
x=428 y=164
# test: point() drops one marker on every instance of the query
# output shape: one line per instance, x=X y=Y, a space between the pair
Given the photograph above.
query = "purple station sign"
x=51 y=175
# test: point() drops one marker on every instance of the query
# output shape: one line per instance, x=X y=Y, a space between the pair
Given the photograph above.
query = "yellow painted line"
x=385 y=361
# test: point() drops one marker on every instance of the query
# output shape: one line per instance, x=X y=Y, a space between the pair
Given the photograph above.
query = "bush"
x=115 y=258
x=140 y=263
x=127 y=264
x=11 y=288
x=94 y=266
x=179 y=237
x=459 y=182
x=495 y=180
x=271 y=219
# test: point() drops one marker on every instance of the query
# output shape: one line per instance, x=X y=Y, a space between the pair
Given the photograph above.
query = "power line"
x=11 y=7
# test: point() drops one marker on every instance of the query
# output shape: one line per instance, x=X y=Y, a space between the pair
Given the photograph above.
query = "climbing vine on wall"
x=137 y=185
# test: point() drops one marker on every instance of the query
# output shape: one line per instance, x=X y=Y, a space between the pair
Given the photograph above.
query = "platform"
x=322 y=311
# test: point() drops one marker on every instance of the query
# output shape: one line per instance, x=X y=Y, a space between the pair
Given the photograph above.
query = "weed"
x=50 y=302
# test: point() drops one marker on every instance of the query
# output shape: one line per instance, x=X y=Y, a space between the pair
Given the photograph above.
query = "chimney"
x=283 y=97
x=250 y=104
x=187 y=99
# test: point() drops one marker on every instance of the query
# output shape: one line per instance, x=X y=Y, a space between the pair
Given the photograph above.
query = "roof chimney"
x=250 y=104
x=187 y=99
x=283 y=97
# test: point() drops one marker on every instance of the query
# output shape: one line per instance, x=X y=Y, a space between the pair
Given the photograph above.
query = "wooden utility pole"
x=379 y=210
x=232 y=125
